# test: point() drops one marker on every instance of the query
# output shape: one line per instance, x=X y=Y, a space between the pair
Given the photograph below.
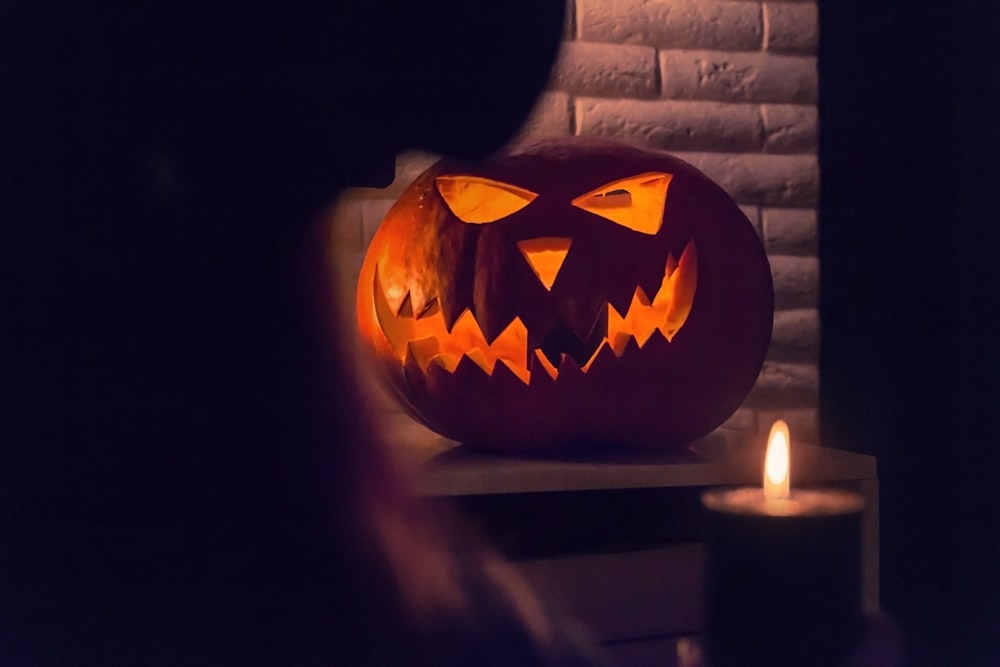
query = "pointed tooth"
x=452 y=309
x=395 y=298
x=642 y=337
x=642 y=297
x=582 y=318
x=512 y=344
x=535 y=338
x=539 y=329
x=440 y=388
x=621 y=300
x=540 y=367
x=410 y=358
x=621 y=342
x=541 y=378
x=465 y=335
x=569 y=369
x=414 y=377
x=468 y=371
x=584 y=348
x=493 y=313
x=419 y=300
x=435 y=389
x=552 y=362
x=604 y=361
x=455 y=246
x=421 y=384
x=650 y=283
x=431 y=308
x=481 y=359
x=632 y=348
x=422 y=350
x=670 y=329
x=657 y=350
x=494 y=326
x=600 y=346
x=436 y=383
x=384 y=310
x=416 y=385
x=616 y=324
x=504 y=373
x=445 y=360
x=466 y=325
x=685 y=285
x=656 y=344
x=689 y=266
x=671 y=264
x=406 y=307
x=511 y=325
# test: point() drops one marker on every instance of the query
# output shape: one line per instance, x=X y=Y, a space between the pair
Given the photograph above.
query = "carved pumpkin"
x=570 y=292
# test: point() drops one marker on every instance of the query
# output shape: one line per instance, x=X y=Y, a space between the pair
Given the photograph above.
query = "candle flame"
x=777 y=480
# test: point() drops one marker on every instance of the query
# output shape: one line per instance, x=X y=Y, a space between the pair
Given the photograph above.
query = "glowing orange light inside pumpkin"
x=545 y=255
x=426 y=338
x=667 y=311
x=777 y=477
x=636 y=202
x=479 y=200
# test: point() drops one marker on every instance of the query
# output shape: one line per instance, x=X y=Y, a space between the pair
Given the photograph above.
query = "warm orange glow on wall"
x=479 y=200
x=636 y=202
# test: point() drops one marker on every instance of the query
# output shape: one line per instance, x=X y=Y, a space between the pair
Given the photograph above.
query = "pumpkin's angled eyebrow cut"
x=636 y=202
x=479 y=200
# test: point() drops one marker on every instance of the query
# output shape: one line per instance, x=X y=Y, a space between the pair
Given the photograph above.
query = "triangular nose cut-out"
x=545 y=256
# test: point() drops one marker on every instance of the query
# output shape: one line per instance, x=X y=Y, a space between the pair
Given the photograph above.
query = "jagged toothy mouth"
x=561 y=340
x=427 y=340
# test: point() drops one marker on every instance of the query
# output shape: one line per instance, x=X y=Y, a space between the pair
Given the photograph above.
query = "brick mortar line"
x=765 y=25
x=671 y=100
x=657 y=74
x=761 y=49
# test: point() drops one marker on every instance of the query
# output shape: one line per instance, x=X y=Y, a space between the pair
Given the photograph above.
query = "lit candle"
x=777 y=464
x=783 y=579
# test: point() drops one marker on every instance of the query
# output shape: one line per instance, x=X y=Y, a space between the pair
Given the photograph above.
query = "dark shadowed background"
x=910 y=361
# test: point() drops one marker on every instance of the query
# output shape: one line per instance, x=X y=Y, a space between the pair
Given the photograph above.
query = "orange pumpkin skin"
x=424 y=264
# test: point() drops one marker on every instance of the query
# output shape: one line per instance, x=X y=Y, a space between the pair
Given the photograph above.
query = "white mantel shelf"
x=617 y=594
x=441 y=467
x=461 y=471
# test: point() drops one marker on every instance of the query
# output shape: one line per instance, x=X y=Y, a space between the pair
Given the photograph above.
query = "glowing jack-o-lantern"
x=569 y=292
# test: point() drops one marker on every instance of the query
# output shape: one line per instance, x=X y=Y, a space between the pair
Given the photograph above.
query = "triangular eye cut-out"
x=478 y=200
x=636 y=202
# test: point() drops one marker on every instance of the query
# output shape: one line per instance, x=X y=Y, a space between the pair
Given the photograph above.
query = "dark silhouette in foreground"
x=187 y=475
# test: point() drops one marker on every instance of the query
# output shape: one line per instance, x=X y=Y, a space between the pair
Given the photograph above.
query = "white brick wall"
x=731 y=87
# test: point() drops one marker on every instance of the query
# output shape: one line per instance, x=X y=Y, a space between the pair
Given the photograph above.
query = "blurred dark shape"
x=911 y=303
x=782 y=593
x=880 y=645
x=187 y=475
